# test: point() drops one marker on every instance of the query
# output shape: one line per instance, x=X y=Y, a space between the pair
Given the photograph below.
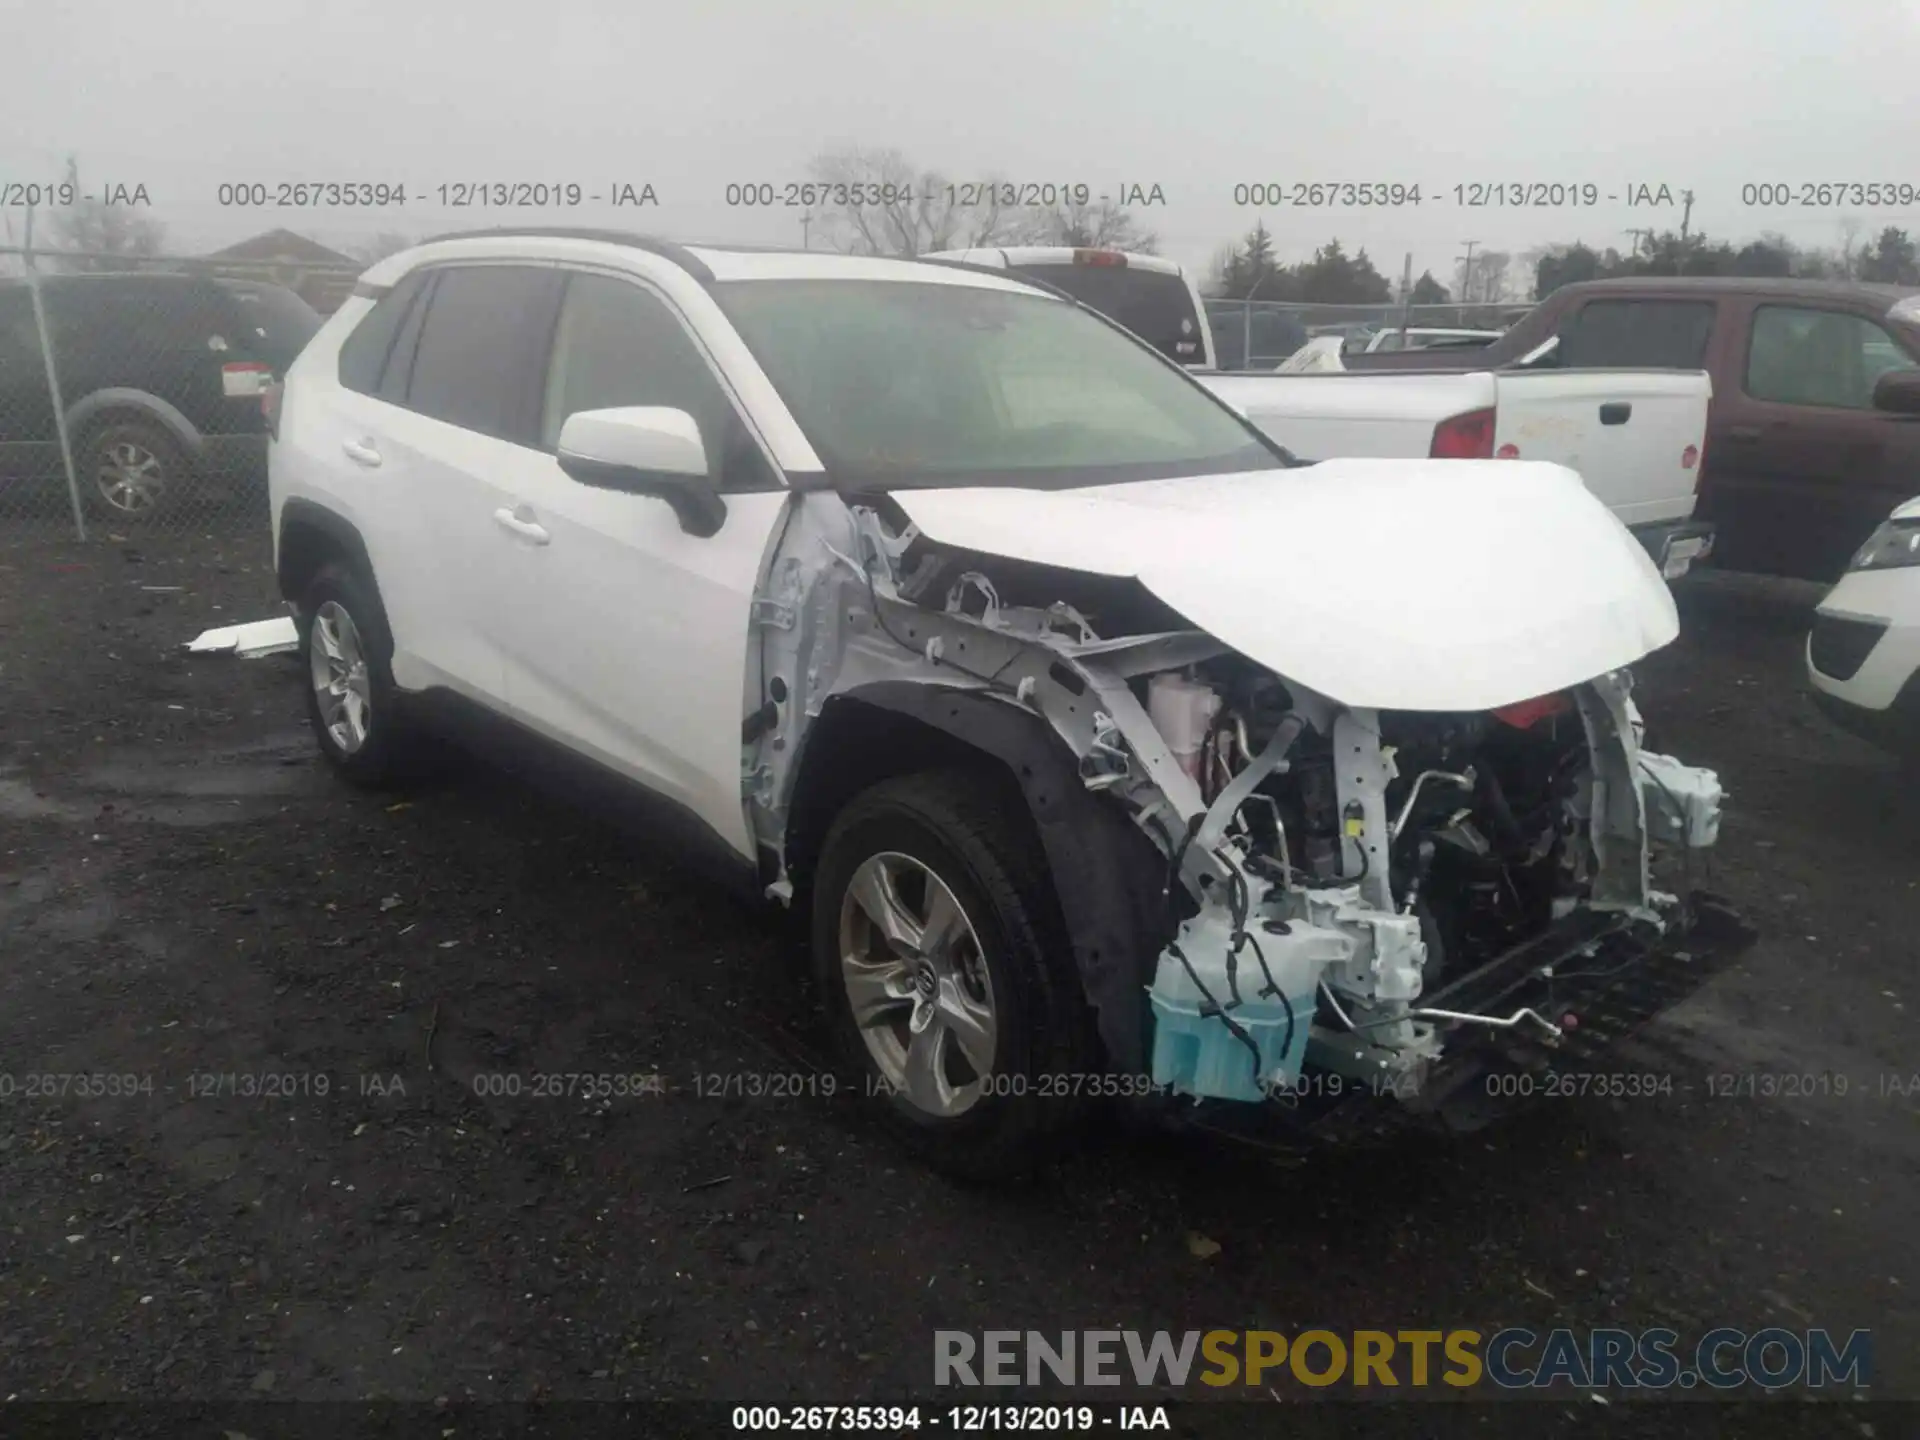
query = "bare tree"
x=1488 y=281
x=1091 y=224
x=878 y=203
x=97 y=228
x=1530 y=267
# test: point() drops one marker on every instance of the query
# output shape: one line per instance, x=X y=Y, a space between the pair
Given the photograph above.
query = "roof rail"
x=678 y=254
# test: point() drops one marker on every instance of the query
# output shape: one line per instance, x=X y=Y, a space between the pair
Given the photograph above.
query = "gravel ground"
x=185 y=892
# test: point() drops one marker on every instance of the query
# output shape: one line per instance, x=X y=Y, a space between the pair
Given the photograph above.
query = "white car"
x=1863 y=653
x=1105 y=750
x=1420 y=338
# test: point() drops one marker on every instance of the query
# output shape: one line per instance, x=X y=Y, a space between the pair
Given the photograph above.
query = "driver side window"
x=617 y=345
x=1818 y=357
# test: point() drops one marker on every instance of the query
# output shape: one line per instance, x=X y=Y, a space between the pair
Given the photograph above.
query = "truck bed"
x=1634 y=436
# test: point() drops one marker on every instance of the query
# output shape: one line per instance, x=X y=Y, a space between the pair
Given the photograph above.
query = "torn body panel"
x=1258 y=879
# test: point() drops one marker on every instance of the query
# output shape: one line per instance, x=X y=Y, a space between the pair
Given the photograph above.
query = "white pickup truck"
x=1634 y=436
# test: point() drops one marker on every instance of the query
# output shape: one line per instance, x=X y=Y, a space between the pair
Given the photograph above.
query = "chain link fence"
x=1259 y=334
x=132 y=388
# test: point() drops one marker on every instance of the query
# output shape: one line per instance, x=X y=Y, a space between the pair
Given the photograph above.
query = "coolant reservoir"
x=1182 y=711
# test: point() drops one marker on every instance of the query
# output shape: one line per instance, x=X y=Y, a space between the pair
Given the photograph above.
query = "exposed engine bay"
x=1341 y=890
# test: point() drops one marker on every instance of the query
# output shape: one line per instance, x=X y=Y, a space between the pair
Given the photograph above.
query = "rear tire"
x=977 y=1049
x=352 y=703
x=131 y=470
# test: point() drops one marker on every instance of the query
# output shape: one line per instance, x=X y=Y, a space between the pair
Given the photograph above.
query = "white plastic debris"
x=248 y=642
x=1318 y=356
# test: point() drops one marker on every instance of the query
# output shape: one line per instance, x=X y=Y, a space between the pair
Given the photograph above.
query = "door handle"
x=1743 y=432
x=523 y=524
x=1616 y=412
x=361 y=452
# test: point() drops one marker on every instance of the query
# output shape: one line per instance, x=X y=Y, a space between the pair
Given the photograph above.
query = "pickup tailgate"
x=1634 y=436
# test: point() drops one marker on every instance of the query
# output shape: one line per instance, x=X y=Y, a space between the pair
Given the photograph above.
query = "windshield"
x=279 y=322
x=898 y=384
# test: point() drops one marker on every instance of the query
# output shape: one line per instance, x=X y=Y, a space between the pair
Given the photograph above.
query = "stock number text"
x=1826 y=194
x=311 y=194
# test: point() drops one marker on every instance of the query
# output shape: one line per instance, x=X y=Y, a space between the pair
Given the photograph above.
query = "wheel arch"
x=1107 y=875
x=311 y=537
x=101 y=407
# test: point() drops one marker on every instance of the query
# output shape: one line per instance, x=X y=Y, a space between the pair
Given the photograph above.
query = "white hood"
x=1385 y=584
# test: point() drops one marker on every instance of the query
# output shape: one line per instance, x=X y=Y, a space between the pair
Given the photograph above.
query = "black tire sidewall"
x=996 y=1132
x=154 y=438
x=380 y=760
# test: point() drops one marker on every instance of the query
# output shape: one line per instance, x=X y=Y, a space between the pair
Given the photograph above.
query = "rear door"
x=1802 y=467
x=457 y=420
x=154 y=334
x=430 y=396
x=623 y=636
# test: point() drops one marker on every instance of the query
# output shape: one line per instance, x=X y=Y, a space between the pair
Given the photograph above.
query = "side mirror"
x=1898 y=392
x=645 y=450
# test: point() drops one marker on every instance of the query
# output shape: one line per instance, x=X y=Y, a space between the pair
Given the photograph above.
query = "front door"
x=1800 y=466
x=623 y=636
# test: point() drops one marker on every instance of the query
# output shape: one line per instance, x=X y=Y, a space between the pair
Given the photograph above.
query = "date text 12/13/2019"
x=1474 y=195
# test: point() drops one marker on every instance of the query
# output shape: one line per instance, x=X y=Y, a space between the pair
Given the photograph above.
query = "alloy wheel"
x=338 y=664
x=917 y=984
x=130 y=478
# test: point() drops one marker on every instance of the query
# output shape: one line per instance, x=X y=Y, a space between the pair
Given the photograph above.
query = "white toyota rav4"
x=1107 y=750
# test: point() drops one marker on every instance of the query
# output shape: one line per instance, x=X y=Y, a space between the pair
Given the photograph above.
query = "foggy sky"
x=1192 y=95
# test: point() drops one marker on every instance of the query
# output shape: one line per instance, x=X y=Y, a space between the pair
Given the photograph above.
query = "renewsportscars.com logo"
x=1509 y=1359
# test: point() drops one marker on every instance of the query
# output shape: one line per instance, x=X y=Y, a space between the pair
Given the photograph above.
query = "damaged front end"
x=1353 y=914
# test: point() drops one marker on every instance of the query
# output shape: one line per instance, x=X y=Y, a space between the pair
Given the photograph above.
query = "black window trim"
x=774 y=479
x=386 y=356
x=1813 y=307
x=429 y=282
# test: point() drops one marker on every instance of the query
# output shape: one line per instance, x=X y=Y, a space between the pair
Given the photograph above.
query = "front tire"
x=949 y=984
x=352 y=702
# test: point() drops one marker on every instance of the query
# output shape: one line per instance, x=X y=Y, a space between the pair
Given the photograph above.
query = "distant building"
x=321 y=276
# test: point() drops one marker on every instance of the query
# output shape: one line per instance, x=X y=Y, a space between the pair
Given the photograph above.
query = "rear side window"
x=1154 y=305
x=481 y=348
x=1637 y=334
x=128 y=321
x=363 y=355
